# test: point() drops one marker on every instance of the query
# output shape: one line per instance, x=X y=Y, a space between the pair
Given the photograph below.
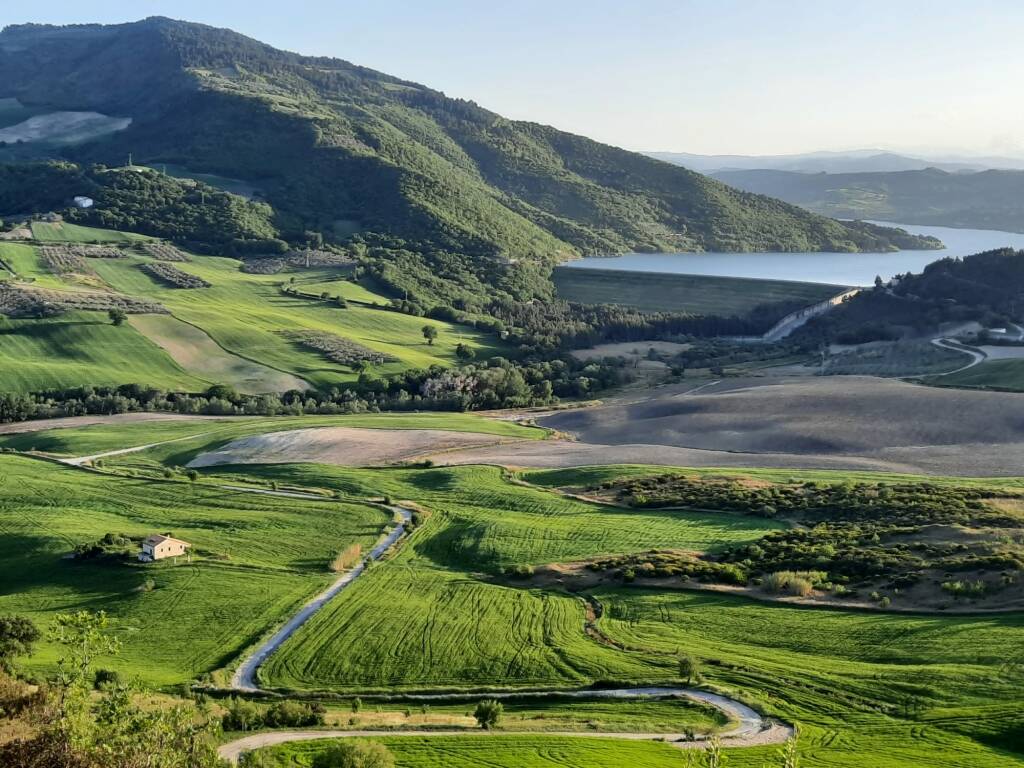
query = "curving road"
x=751 y=728
x=977 y=356
x=244 y=678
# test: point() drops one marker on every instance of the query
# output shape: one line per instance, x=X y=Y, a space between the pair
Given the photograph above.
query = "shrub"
x=488 y=713
x=106 y=678
x=798 y=583
x=355 y=754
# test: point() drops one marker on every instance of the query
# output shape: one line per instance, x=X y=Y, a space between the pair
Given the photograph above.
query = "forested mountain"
x=353 y=152
x=984 y=200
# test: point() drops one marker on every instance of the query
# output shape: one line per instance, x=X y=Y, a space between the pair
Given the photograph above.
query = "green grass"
x=994 y=374
x=23 y=259
x=512 y=751
x=209 y=434
x=694 y=294
x=83 y=349
x=65 y=232
x=482 y=522
x=255 y=559
x=846 y=676
x=246 y=314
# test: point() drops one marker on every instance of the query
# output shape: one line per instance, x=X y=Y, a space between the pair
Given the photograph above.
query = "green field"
x=65 y=232
x=993 y=374
x=210 y=433
x=255 y=559
x=247 y=314
x=233 y=332
x=693 y=294
x=511 y=751
x=23 y=260
x=79 y=348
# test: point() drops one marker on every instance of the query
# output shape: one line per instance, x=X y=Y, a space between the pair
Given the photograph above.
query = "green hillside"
x=348 y=151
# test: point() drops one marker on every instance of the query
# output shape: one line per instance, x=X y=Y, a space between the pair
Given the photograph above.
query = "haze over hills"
x=349 y=151
x=852 y=161
x=985 y=200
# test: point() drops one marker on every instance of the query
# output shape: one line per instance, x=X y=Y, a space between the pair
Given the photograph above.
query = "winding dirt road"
x=751 y=728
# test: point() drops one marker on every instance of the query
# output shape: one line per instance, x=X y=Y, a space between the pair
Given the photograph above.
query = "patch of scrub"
x=64 y=128
x=196 y=352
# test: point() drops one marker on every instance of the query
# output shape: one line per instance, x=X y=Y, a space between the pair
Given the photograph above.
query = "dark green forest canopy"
x=352 y=152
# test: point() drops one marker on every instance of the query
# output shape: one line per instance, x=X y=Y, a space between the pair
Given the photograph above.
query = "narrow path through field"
x=244 y=678
x=977 y=356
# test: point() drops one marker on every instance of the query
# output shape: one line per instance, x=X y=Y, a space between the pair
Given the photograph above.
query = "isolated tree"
x=429 y=333
x=355 y=754
x=879 y=283
x=463 y=352
x=689 y=668
x=17 y=636
x=117 y=316
x=488 y=713
x=192 y=475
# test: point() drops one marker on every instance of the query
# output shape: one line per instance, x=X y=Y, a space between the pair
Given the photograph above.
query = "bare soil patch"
x=20 y=427
x=343 y=446
x=631 y=350
x=857 y=421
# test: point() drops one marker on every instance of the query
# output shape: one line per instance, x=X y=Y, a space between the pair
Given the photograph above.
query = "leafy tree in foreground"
x=429 y=333
x=355 y=754
x=117 y=316
x=488 y=713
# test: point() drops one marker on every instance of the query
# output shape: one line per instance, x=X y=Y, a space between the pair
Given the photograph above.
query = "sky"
x=702 y=76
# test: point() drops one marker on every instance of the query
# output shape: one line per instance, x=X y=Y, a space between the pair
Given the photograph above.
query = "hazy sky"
x=708 y=76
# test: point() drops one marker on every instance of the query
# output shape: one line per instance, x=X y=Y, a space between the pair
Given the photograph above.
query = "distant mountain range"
x=983 y=200
x=475 y=198
x=854 y=161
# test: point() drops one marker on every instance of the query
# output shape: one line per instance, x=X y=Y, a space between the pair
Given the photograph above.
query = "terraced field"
x=254 y=559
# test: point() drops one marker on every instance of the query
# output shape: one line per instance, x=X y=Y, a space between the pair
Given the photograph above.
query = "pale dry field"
x=344 y=446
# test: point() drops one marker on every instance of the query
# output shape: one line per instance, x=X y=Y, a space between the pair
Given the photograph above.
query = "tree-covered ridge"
x=142 y=200
x=987 y=287
x=346 y=150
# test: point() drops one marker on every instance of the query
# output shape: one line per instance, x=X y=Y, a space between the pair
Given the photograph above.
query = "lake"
x=836 y=268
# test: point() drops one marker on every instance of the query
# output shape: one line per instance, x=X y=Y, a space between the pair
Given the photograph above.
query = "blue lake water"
x=837 y=268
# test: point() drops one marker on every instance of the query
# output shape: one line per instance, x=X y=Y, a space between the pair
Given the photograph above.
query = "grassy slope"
x=245 y=314
x=257 y=558
x=848 y=674
x=64 y=232
x=81 y=348
x=210 y=433
x=479 y=522
x=22 y=258
x=845 y=676
x=503 y=752
x=695 y=294
x=995 y=374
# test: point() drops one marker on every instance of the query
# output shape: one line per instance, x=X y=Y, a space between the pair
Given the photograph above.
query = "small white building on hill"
x=158 y=547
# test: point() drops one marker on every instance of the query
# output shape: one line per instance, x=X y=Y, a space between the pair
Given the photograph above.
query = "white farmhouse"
x=81 y=201
x=158 y=547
